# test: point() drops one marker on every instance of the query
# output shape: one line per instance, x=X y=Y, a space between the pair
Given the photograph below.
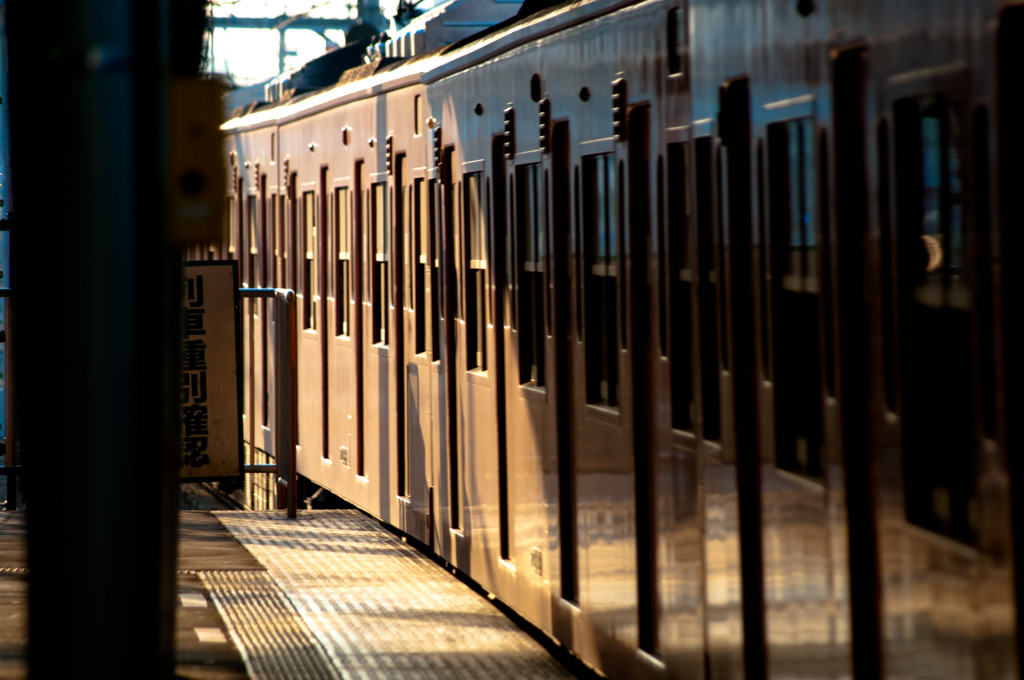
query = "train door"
x=311 y=445
x=397 y=422
x=478 y=433
x=377 y=338
x=250 y=317
x=943 y=504
x=437 y=442
x=322 y=292
x=613 y=232
x=264 y=266
x=417 y=368
x=449 y=460
x=674 y=475
x=342 y=321
x=499 y=304
x=801 y=479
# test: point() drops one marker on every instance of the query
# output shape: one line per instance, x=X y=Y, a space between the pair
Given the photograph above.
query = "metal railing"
x=279 y=316
x=284 y=396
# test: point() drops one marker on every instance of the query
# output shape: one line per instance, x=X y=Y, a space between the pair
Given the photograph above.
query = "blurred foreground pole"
x=97 y=290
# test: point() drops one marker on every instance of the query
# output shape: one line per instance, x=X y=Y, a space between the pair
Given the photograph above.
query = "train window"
x=707 y=289
x=530 y=256
x=433 y=231
x=792 y=275
x=676 y=38
x=290 y=248
x=678 y=276
x=934 y=317
x=266 y=268
x=309 y=272
x=278 y=240
x=250 y=231
x=421 y=225
x=475 y=250
x=343 y=268
x=267 y=236
x=232 y=218
x=381 y=289
x=601 y=272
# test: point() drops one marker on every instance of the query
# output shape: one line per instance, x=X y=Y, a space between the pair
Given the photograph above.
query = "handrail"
x=285 y=398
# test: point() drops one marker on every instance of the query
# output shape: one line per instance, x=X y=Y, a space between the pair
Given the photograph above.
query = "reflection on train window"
x=251 y=278
x=679 y=277
x=309 y=272
x=530 y=212
x=421 y=223
x=601 y=272
x=475 y=250
x=343 y=268
x=792 y=283
x=379 y=286
x=935 y=373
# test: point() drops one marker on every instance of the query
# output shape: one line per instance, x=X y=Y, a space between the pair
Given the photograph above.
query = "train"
x=682 y=327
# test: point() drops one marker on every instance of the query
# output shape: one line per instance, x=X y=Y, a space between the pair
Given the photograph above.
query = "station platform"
x=330 y=594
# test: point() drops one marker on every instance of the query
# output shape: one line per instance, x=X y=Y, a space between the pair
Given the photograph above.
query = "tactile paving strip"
x=274 y=641
x=379 y=608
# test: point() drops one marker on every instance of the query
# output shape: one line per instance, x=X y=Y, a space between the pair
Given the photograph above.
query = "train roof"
x=534 y=20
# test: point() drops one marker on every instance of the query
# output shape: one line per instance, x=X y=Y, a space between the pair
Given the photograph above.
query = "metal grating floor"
x=346 y=598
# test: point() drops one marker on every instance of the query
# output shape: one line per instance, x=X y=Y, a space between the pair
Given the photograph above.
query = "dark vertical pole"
x=497 y=269
x=450 y=310
x=851 y=201
x=8 y=433
x=639 y=330
x=562 y=195
x=1011 y=174
x=98 y=352
x=736 y=133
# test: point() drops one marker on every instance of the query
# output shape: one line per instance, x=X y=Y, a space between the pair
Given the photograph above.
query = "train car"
x=680 y=326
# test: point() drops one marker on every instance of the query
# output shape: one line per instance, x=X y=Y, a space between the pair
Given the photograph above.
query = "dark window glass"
x=679 y=277
x=343 y=269
x=380 y=287
x=530 y=275
x=792 y=277
x=600 y=280
x=707 y=290
x=310 y=294
x=421 y=218
x=433 y=230
x=935 y=377
x=250 y=274
x=475 y=250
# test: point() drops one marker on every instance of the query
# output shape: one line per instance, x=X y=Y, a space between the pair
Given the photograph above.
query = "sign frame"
x=236 y=475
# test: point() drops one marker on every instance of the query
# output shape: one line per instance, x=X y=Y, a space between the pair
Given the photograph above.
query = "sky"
x=250 y=56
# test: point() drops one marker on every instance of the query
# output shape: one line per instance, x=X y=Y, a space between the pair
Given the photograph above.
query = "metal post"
x=284 y=389
x=285 y=397
x=97 y=418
